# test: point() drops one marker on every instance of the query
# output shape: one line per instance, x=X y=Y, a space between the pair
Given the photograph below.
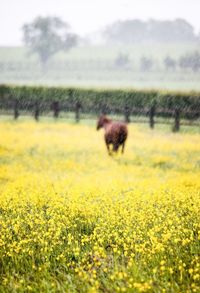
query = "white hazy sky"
x=87 y=16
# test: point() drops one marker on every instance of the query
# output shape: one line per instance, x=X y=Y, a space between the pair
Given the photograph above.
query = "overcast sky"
x=87 y=16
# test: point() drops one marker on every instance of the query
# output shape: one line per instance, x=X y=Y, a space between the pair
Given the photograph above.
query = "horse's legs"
x=123 y=145
x=115 y=147
x=108 y=148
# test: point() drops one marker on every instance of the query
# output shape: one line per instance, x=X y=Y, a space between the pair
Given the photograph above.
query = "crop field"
x=94 y=66
x=74 y=219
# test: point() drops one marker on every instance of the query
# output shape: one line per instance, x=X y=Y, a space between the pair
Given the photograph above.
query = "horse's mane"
x=106 y=119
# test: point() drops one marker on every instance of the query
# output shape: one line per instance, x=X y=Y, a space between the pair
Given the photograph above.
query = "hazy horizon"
x=88 y=16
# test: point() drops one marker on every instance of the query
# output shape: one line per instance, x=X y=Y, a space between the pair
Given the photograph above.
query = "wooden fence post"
x=151 y=116
x=37 y=111
x=176 y=126
x=77 y=111
x=16 y=109
x=127 y=114
x=56 y=109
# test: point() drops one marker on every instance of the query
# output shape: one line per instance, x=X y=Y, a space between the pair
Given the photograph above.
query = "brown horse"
x=116 y=133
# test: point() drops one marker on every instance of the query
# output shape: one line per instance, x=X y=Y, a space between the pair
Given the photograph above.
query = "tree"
x=122 y=60
x=146 y=64
x=170 y=63
x=190 y=61
x=48 y=35
x=128 y=31
x=178 y=30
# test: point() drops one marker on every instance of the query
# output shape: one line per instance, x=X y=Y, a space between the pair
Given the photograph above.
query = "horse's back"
x=117 y=131
x=119 y=127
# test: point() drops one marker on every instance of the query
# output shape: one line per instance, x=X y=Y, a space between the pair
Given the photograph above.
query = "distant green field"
x=108 y=53
x=95 y=66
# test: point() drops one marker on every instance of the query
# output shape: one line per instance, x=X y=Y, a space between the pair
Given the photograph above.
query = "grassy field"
x=85 y=53
x=74 y=219
x=95 y=66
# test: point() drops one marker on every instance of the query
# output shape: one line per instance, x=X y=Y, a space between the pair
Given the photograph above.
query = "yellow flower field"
x=73 y=219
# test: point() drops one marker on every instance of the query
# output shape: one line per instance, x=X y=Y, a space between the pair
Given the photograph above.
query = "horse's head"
x=102 y=121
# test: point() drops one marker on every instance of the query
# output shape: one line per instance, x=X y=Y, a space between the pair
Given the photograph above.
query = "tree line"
x=189 y=61
x=138 y=31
